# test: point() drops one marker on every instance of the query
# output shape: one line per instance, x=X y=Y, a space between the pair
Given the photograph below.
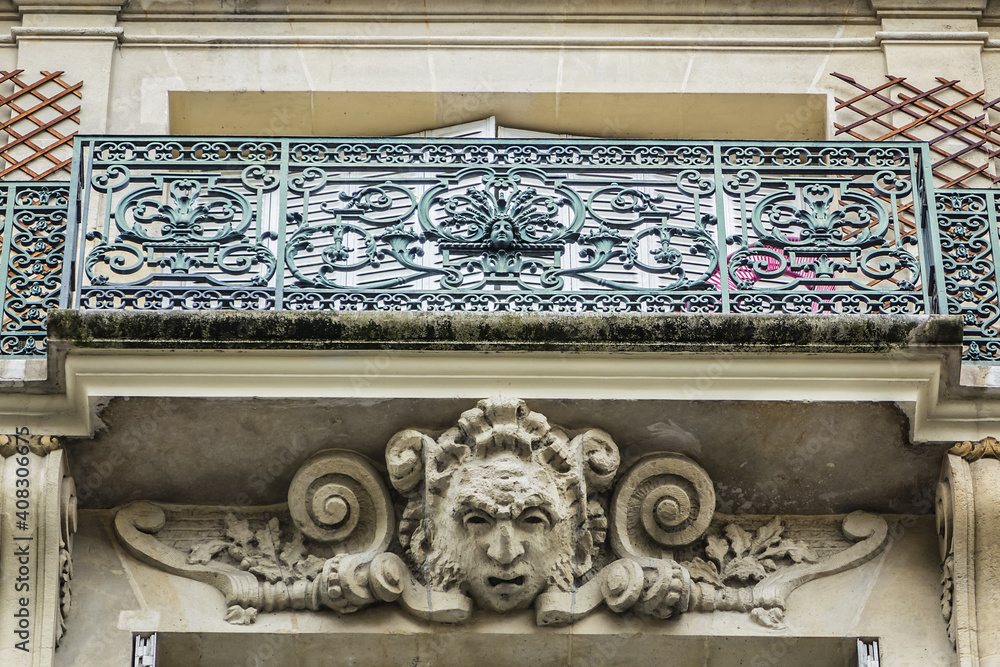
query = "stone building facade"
x=545 y=333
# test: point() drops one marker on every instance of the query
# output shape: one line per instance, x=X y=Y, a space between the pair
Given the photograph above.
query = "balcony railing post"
x=721 y=230
x=279 y=272
x=68 y=294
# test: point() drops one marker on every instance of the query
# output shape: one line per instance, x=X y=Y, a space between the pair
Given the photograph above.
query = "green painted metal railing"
x=967 y=269
x=33 y=247
x=500 y=225
x=166 y=223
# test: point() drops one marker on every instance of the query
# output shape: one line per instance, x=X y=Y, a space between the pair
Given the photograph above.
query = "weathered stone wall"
x=578 y=67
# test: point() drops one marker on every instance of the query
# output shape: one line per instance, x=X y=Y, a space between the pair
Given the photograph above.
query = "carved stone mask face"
x=505 y=531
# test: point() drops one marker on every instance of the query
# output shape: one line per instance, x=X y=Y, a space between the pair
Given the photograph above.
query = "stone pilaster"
x=968 y=518
x=37 y=523
x=923 y=39
x=75 y=36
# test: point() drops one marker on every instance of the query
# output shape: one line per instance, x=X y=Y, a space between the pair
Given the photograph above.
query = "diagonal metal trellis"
x=951 y=119
x=39 y=144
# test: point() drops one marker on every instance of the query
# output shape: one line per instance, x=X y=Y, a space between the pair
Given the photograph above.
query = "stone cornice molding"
x=286 y=356
x=942 y=37
x=914 y=384
x=518 y=11
x=504 y=41
x=20 y=33
x=914 y=362
x=929 y=8
x=69 y=6
x=497 y=332
x=988 y=447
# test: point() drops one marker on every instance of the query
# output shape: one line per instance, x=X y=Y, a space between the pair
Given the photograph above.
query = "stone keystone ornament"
x=503 y=512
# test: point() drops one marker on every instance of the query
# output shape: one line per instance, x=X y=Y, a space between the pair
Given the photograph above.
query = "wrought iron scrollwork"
x=183 y=228
x=824 y=236
x=34 y=240
x=513 y=225
x=967 y=222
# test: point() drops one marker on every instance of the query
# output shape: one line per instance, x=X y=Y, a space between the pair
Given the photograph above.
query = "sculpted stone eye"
x=476 y=520
x=534 y=517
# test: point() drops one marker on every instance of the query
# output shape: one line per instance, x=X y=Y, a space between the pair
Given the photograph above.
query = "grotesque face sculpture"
x=504 y=532
x=503 y=506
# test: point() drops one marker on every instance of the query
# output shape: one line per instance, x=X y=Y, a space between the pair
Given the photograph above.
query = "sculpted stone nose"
x=503 y=548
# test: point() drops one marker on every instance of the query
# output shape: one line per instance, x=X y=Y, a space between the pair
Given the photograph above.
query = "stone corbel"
x=37 y=524
x=503 y=512
x=968 y=520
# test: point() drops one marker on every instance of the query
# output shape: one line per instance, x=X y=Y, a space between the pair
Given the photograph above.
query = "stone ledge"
x=500 y=331
x=91 y=33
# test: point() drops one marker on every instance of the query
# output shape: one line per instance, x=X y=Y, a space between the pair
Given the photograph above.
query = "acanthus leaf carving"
x=988 y=447
x=39 y=445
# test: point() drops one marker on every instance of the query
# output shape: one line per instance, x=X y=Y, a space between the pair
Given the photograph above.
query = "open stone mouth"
x=497 y=581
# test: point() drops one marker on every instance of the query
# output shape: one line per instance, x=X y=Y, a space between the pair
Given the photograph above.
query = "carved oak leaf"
x=298 y=561
x=739 y=539
x=238 y=615
x=269 y=539
x=238 y=530
x=294 y=551
x=702 y=571
x=771 y=618
x=269 y=571
x=310 y=568
x=767 y=535
x=716 y=550
x=744 y=569
x=797 y=551
x=203 y=552
x=267 y=565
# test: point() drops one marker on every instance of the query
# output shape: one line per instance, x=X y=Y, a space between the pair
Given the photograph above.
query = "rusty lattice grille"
x=953 y=121
x=41 y=127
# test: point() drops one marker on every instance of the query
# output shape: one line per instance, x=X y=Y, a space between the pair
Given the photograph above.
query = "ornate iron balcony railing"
x=569 y=225
x=33 y=248
x=967 y=268
x=165 y=223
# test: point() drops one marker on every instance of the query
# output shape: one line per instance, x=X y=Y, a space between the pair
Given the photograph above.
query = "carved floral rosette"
x=501 y=512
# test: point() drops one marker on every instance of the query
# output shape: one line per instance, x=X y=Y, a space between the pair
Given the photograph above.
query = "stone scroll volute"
x=663 y=502
x=502 y=512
